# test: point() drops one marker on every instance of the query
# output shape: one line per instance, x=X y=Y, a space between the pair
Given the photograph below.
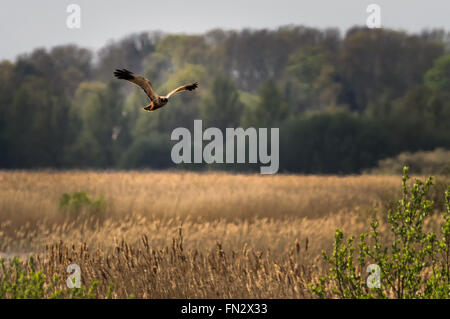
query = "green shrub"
x=19 y=280
x=414 y=265
x=77 y=202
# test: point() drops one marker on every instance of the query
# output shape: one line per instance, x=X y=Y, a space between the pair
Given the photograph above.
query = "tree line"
x=342 y=102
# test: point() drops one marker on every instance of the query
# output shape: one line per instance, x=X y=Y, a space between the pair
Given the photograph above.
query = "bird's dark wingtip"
x=123 y=74
x=193 y=86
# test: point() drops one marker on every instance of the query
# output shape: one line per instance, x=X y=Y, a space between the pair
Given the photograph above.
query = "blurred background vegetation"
x=343 y=103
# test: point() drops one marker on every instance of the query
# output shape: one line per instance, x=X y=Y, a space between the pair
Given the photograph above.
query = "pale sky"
x=27 y=24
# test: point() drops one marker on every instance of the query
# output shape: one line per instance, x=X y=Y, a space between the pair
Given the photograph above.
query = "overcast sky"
x=27 y=24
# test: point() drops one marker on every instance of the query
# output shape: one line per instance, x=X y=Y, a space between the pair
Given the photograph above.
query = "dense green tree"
x=98 y=109
x=254 y=56
x=417 y=121
x=183 y=50
x=373 y=61
x=438 y=76
x=221 y=107
x=331 y=143
x=151 y=151
x=271 y=109
x=314 y=84
x=34 y=126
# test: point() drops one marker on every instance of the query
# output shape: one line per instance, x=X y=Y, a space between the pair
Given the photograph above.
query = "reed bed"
x=187 y=235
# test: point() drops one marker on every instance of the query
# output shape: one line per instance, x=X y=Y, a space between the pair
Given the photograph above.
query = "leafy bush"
x=19 y=280
x=80 y=201
x=414 y=265
x=421 y=163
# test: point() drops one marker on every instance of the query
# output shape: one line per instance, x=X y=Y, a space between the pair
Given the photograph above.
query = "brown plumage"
x=156 y=101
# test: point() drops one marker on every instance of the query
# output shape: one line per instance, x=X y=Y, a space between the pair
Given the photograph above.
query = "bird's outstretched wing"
x=145 y=84
x=188 y=87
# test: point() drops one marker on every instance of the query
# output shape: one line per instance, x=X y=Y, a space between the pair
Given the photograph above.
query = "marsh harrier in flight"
x=156 y=100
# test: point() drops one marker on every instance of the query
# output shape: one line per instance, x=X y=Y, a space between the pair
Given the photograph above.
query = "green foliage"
x=415 y=121
x=60 y=109
x=414 y=264
x=368 y=73
x=331 y=142
x=438 y=77
x=221 y=107
x=19 y=280
x=183 y=49
x=314 y=84
x=97 y=112
x=74 y=203
x=148 y=152
x=271 y=109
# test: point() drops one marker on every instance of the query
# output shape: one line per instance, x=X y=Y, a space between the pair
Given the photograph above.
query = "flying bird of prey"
x=156 y=100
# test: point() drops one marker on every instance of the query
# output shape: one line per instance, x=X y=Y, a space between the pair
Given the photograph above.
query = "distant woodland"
x=342 y=101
